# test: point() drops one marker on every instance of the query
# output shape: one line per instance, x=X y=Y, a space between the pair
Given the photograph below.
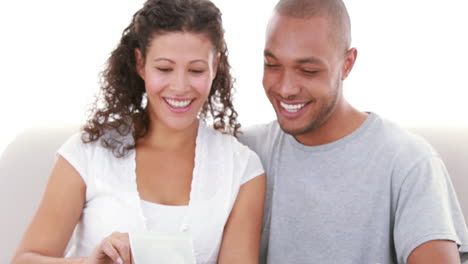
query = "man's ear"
x=140 y=63
x=349 y=60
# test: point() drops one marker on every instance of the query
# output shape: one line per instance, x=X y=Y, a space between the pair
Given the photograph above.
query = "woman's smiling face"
x=178 y=71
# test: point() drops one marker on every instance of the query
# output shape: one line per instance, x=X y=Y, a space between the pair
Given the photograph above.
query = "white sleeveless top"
x=164 y=218
x=113 y=204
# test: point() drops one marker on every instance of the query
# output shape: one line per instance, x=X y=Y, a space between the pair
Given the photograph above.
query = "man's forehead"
x=302 y=35
x=295 y=58
x=281 y=20
x=289 y=28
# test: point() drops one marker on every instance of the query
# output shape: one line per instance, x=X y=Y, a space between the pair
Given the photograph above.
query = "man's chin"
x=293 y=129
x=296 y=128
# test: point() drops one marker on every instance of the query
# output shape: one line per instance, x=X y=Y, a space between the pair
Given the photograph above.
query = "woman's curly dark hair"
x=119 y=110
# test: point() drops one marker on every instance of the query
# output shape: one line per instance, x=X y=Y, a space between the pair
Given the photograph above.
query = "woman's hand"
x=114 y=249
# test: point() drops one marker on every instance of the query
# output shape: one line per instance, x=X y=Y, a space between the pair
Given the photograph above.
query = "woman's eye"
x=197 y=71
x=164 y=69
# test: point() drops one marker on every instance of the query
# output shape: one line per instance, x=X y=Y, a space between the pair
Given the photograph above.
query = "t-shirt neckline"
x=360 y=131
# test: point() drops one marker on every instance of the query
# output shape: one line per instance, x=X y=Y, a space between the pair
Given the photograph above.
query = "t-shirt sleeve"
x=253 y=166
x=253 y=137
x=74 y=152
x=427 y=209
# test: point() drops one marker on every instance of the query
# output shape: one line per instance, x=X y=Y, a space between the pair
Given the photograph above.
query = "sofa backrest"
x=26 y=163
x=24 y=170
x=452 y=145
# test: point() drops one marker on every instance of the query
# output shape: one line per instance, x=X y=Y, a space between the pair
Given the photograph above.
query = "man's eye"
x=269 y=65
x=164 y=69
x=309 y=71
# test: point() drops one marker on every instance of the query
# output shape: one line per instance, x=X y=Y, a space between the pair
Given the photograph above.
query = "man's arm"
x=435 y=252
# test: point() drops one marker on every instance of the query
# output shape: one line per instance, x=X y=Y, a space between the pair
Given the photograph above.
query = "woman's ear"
x=140 y=63
x=216 y=64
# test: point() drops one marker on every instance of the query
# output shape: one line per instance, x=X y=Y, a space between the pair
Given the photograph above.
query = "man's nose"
x=287 y=86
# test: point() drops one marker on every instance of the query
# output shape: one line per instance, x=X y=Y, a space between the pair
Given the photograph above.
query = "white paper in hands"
x=162 y=248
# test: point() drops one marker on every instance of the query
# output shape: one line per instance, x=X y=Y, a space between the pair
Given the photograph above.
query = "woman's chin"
x=181 y=125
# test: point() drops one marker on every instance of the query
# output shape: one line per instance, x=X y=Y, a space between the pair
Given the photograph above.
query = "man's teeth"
x=292 y=107
x=177 y=103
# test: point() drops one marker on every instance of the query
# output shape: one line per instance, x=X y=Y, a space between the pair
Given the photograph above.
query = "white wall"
x=411 y=65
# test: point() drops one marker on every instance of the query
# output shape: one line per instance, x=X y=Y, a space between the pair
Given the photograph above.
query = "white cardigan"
x=222 y=165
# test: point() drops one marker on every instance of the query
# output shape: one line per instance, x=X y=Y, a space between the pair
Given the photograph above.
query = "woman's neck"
x=161 y=136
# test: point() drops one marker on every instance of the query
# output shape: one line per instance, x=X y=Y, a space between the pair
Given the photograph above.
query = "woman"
x=145 y=162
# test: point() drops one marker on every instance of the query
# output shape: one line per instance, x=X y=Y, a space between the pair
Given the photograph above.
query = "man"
x=344 y=186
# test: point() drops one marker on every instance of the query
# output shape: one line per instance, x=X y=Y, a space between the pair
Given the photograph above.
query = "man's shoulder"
x=260 y=134
x=401 y=141
x=262 y=139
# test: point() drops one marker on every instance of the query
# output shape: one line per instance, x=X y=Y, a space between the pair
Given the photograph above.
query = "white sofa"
x=28 y=160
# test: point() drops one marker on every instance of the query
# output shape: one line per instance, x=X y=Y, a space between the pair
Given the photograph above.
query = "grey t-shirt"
x=370 y=197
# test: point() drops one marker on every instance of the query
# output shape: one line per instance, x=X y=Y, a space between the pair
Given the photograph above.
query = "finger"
x=131 y=256
x=122 y=245
x=109 y=249
x=125 y=238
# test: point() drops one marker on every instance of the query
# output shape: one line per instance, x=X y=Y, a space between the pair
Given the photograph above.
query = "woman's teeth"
x=178 y=103
x=292 y=107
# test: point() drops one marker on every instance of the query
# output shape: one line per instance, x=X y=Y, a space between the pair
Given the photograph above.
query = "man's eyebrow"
x=312 y=60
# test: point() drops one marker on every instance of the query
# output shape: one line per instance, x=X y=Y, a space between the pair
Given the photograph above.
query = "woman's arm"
x=50 y=230
x=241 y=239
